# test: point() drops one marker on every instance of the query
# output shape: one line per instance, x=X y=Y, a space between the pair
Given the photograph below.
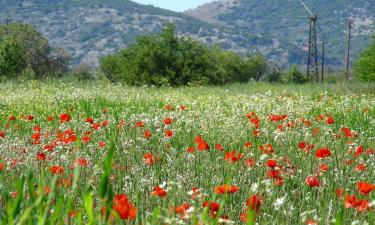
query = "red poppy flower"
x=213 y=208
x=323 y=168
x=2 y=166
x=302 y=145
x=168 y=107
x=348 y=133
x=276 y=118
x=64 y=118
x=182 y=209
x=41 y=156
x=149 y=159
x=183 y=108
x=147 y=134
x=248 y=144
x=168 y=133
x=219 y=147
x=201 y=144
x=233 y=156
x=322 y=153
x=159 y=191
x=139 y=124
x=82 y=162
x=312 y=181
x=29 y=117
x=311 y=222
x=254 y=202
x=124 y=208
x=12 y=118
x=102 y=144
x=191 y=150
x=168 y=121
x=57 y=170
x=365 y=188
x=266 y=149
x=271 y=163
x=273 y=174
x=2 y=134
x=226 y=189
x=89 y=120
x=360 y=167
x=330 y=120
x=250 y=162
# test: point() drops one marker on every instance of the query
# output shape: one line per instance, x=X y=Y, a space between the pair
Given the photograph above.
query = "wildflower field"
x=243 y=154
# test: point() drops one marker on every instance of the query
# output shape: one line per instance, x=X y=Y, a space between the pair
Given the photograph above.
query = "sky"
x=175 y=5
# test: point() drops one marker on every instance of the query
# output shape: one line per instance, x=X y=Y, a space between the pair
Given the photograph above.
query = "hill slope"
x=92 y=28
x=286 y=21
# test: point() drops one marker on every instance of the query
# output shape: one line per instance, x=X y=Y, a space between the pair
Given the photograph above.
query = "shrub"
x=294 y=75
x=365 y=65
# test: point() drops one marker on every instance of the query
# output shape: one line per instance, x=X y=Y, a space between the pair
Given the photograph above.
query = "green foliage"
x=12 y=60
x=294 y=75
x=36 y=52
x=365 y=66
x=171 y=60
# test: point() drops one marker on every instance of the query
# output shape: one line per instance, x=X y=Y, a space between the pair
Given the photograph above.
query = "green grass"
x=218 y=115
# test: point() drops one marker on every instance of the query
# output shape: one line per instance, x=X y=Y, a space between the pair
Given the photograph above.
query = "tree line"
x=165 y=59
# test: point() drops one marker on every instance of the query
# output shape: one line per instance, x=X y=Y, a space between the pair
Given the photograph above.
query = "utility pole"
x=312 y=63
x=323 y=49
x=347 y=56
x=7 y=22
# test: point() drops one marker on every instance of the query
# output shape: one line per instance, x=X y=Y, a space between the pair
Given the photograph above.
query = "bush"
x=365 y=65
x=294 y=75
x=171 y=60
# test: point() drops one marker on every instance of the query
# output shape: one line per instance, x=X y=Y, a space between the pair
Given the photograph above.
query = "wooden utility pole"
x=323 y=49
x=347 y=56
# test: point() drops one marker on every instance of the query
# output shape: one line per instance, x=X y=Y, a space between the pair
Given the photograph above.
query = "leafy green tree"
x=169 y=59
x=39 y=55
x=12 y=59
x=365 y=65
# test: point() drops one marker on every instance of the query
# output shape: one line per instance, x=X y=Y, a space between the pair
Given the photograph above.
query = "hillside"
x=286 y=21
x=89 y=29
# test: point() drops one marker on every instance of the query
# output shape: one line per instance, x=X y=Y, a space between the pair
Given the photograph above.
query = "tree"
x=39 y=55
x=365 y=65
x=12 y=59
x=294 y=75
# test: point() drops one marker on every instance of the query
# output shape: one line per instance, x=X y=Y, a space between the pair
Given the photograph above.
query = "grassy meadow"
x=255 y=153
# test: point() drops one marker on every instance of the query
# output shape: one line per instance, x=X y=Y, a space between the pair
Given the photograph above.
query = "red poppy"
x=322 y=153
x=360 y=167
x=2 y=166
x=182 y=209
x=102 y=144
x=201 y=144
x=330 y=120
x=365 y=188
x=124 y=208
x=86 y=139
x=219 y=147
x=359 y=151
x=2 y=134
x=233 y=156
x=57 y=170
x=250 y=162
x=276 y=118
x=168 y=133
x=183 y=108
x=89 y=120
x=64 y=118
x=248 y=144
x=82 y=162
x=168 y=107
x=149 y=159
x=213 y=208
x=147 y=134
x=159 y=191
x=266 y=149
x=311 y=222
x=29 y=117
x=271 y=163
x=168 y=121
x=226 y=189
x=41 y=156
x=323 y=168
x=254 y=202
x=191 y=150
x=139 y=124
x=12 y=118
x=273 y=174
x=312 y=181
x=302 y=145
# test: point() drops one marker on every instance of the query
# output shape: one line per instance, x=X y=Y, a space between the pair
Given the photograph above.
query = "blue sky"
x=176 y=5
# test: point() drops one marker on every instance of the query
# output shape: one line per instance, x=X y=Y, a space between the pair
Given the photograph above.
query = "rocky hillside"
x=92 y=28
x=285 y=21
